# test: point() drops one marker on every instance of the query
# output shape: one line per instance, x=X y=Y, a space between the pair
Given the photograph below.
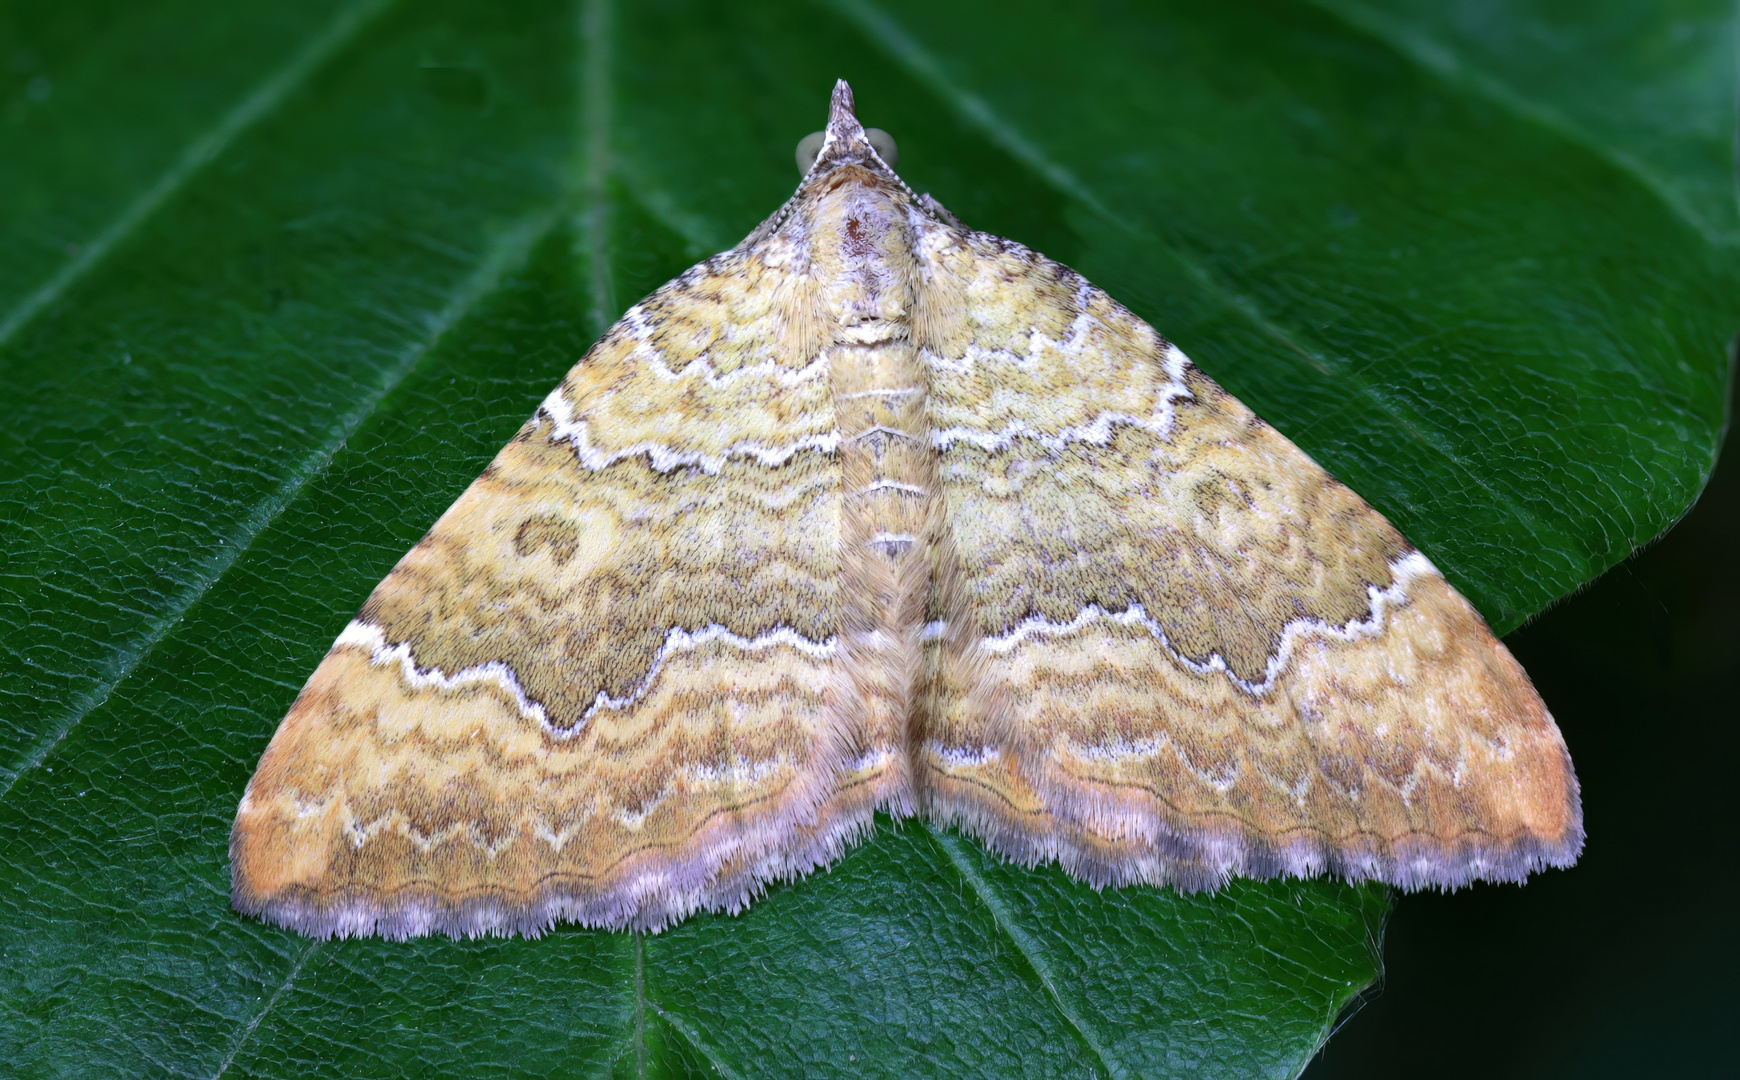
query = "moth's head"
x=845 y=161
x=845 y=151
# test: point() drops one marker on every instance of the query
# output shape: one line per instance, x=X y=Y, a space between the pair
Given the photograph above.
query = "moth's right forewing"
x=1179 y=649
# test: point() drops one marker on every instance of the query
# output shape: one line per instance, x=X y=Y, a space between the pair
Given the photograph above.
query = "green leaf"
x=281 y=278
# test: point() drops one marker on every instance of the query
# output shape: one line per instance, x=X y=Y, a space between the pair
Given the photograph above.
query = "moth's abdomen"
x=890 y=513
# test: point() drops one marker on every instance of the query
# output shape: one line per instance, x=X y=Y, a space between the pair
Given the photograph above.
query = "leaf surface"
x=282 y=278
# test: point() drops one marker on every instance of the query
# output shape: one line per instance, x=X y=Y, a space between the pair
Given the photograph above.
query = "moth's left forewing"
x=1178 y=649
x=604 y=686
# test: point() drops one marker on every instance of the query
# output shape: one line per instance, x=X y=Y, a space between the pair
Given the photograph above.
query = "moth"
x=875 y=512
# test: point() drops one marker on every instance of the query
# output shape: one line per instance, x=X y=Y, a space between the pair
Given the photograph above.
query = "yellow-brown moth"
x=875 y=512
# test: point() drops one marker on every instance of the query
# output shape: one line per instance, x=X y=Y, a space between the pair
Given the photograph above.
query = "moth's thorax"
x=862 y=258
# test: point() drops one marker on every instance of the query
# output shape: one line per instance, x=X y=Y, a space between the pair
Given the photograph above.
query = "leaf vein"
x=508 y=252
x=1446 y=65
x=248 y=1029
x=596 y=23
x=258 y=104
x=681 y=1027
x=1029 y=949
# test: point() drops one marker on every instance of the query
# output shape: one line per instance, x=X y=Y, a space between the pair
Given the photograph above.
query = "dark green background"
x=279 y=278
x=1624 y=968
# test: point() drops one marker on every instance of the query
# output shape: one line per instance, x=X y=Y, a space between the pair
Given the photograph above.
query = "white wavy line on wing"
x=713 y=377
x=1122 y=751
x=1098 y=431
x=740 y=772
x=369 y=636
x=783 y=497
x=957 y=757
x=871 y=759
x=1037 y=341
x=892 y=485
x=654 y=359
x=373 y=638
x=1404 y=570
x=661 y=457
x=883 y=391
